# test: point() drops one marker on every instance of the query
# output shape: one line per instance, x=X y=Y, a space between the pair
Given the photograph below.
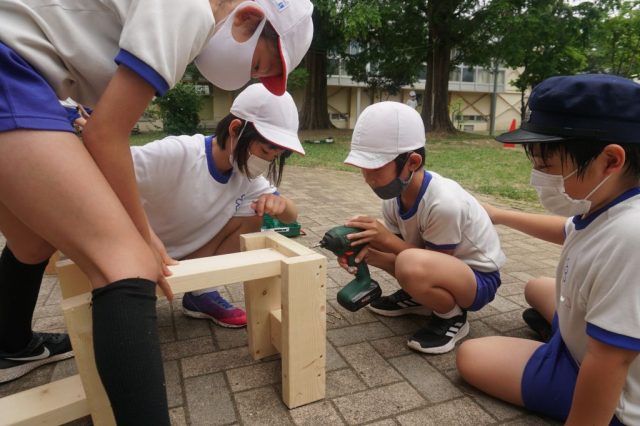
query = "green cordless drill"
x=362 y=290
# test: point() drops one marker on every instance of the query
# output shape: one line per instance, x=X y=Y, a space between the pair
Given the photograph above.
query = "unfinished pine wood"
x=261 y=296
x=285 y=245
x=77 y=314
x=275 y=322
x=303 y=329
x=52 y=404
x=196 y=274
x=51 y=266
x=72 y=280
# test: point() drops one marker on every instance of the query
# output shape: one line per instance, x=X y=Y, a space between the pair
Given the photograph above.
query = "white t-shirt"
x=75 y=44
x=598 y=288
x=187 y=200
x=446 y=217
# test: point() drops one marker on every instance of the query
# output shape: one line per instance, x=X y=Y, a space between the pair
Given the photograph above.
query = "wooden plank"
x=72 y=280
x=303 y=329
x=275 y=321
x=261 y=296
x=51 y=266
x=52 y=404
x=196 y=274
x=77 y=314
x=286 y=245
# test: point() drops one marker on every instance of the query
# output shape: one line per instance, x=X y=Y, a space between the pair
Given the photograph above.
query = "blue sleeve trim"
x=143 y=70
x=440 y=246
x=613 y=339
x=276 y=193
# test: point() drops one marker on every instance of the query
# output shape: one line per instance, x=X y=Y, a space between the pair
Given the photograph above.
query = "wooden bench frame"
x=285 y=295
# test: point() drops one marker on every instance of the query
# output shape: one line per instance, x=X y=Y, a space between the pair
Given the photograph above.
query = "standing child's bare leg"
x=53 y=195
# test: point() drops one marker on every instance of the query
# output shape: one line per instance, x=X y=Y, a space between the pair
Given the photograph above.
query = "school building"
x=470 y=92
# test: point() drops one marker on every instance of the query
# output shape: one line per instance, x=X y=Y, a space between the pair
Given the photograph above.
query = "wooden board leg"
x=77 y=313
x=303 y=336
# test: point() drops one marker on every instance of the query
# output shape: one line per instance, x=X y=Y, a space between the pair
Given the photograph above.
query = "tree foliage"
x=179 y=109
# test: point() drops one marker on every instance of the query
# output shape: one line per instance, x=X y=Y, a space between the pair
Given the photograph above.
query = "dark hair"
x=241 y=150
x=402 y=159
x=583 y=151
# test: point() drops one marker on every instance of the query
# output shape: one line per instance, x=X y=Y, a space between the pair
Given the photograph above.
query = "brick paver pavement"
x=372 y=377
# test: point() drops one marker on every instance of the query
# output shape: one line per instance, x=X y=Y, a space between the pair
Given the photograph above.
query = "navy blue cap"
x=589 y=106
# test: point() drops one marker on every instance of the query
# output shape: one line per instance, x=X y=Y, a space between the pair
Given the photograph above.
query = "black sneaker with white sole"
x=396 y=304
x=440 y=335
x=537 y=323
x=43 y=348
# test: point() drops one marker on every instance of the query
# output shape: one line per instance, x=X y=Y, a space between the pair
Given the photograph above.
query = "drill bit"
x=315 y=245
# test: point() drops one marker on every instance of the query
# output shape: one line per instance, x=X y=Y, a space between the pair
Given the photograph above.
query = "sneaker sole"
x=416 y=310
x=441 y=349
x=200 y=315
x=18 y=371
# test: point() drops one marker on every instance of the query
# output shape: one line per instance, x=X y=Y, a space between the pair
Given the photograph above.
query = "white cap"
x=412 y=93
x=384 y=131
x=292 y=21
x=274 y=117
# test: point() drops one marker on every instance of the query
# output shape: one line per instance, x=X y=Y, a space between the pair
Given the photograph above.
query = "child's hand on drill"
x=271 y=204
x=375 y=233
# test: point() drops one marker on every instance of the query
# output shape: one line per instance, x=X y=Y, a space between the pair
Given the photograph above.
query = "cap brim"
x=368 y=160
x=525 y=136
x=277 y=84
x=280 y=137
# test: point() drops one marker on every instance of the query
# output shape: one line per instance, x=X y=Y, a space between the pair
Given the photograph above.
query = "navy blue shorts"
x=26 y=99
x=488 y=283
x=549 y=379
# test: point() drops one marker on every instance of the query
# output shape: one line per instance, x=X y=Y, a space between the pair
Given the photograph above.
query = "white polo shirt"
x=598 y=288
x=446 y=217
x=187 y=200
x=76 y=44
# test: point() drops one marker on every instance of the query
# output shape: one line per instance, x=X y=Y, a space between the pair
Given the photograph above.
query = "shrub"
x=179 y=110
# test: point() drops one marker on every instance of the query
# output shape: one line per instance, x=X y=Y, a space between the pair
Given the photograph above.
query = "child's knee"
x=465 y=356
x=407 y=266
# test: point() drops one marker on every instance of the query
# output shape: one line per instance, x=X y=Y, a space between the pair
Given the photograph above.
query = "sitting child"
x=583 y=138
x=201 y=192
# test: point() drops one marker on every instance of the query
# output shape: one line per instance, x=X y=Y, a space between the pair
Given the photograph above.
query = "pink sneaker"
x=213 y=306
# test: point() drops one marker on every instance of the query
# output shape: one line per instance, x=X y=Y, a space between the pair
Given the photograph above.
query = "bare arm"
x=106 y=137
x=277 y=206
x=600 y=381
x=542 y=226
x=290 y=212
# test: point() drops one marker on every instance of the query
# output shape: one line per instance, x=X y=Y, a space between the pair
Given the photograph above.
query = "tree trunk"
x=441 y=67
x=314 y=114
x=427 y=98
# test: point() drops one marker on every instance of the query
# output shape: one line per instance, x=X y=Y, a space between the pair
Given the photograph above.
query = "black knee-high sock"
x=127 y=350
x=19 y=287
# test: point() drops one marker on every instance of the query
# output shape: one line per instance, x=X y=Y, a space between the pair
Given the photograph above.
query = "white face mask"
x=256 y=166
x=226 y=62
x=552 y=195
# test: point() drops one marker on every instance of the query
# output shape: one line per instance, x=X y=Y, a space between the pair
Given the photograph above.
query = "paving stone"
x=177 y=417
x=361 y=316
x=185 y=348
x=216 y=361
x=434 y=386
x=262 y=407
x=462 y=411
x=227 y=338
x=358 y=333
x=209 y=400
x=174 y=383
x=505 y=322
x=254 y=376
x=390 y=347
x=378 y=402
x=190 y=328
x=503 y=305
x=403 y=325
x=369 y=365
x=386 y=422
x=318 y=413
x=63 y=369
x=334 y=360
x=343 y=382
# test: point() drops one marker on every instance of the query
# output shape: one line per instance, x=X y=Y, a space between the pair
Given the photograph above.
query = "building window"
x=474 y=118
x=468 y=74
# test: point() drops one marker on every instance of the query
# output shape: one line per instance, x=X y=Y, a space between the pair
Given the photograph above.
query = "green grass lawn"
x=478 y=163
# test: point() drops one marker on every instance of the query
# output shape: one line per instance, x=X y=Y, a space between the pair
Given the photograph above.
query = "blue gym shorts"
x=26 y=99
x=549 y=379
x=488 y=283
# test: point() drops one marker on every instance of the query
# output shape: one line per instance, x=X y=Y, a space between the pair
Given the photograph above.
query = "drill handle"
x=363 y=271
